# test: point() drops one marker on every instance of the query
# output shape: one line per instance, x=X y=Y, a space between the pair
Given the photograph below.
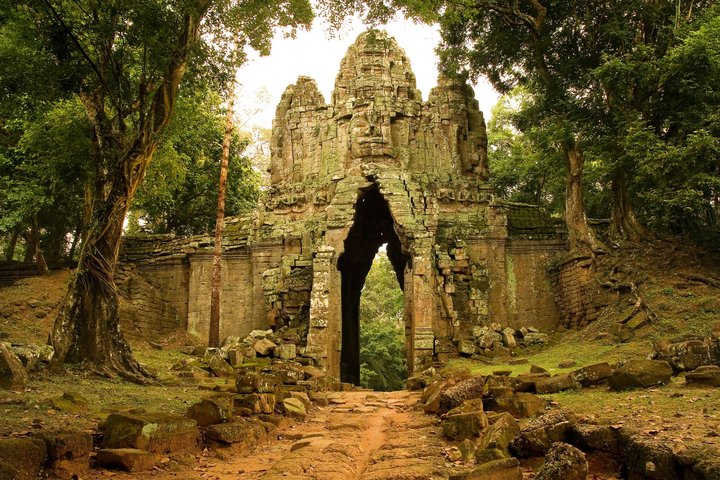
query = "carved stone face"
x=370 y=133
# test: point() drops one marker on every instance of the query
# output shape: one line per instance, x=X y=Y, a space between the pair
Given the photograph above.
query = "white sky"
x=312 y=53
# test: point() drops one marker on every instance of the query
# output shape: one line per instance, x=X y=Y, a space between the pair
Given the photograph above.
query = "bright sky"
x=314 y=54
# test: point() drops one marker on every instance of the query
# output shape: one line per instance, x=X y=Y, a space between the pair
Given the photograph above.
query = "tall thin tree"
x=216 y=284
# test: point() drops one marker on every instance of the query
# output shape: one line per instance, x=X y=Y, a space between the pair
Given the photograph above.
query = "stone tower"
x=376 y=165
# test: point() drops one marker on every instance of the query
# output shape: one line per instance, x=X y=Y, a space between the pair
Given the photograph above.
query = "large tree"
x=128 y=60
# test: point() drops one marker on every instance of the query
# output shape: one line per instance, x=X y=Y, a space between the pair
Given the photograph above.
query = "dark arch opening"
x=373 y=227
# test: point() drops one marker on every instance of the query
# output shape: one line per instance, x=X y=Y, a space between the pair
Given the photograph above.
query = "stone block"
x=154 y=432
x=556 y=383
x=593 y=374
x=128 y=459
x=210 y=411
x=12 y=372
x=460 y=426
x=25 y=456
x=257 y=403
x=640 y=373
x=66 y=444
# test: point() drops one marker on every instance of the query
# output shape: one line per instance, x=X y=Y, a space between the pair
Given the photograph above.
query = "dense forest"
x=610 y=110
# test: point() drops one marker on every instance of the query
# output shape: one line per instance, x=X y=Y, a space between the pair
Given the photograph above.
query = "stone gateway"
x=376 y=165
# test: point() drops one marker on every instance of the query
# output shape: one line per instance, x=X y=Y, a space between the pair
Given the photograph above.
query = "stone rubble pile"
x=494 y=421
x=487 y=342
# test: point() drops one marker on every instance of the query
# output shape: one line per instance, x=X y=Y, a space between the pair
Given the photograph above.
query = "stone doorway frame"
x=324 y=342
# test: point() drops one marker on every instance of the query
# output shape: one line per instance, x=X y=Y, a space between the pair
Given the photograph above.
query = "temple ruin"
x=375 y=165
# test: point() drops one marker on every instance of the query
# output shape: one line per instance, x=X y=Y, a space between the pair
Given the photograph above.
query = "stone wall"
x=376 y=165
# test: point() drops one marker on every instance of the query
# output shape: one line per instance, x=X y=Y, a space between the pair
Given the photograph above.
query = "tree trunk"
x=74 y=244
x=33 y=249
x=10 y=251
x=87 y=330
x=581 y=238
x=214 y=334
x=88 y=326
x=624 y=223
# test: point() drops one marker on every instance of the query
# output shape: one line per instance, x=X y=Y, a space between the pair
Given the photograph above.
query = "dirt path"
x=360 y=435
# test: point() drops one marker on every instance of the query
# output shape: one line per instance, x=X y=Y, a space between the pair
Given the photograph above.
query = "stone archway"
x=372 y=227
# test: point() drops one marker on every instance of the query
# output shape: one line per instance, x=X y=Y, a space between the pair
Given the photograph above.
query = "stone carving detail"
x=404 y=172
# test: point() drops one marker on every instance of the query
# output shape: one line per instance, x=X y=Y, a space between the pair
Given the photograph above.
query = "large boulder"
x=12 y=372
x=458 y=393
x=640 y=373
x=154 y=432
x=564 y=462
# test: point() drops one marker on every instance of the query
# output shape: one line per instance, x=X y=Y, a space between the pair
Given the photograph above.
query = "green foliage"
x=382 y=333
x=179 y=194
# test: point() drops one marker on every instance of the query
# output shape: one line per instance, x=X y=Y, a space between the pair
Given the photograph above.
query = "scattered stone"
x=154 y=432
x=567 y=364
x=12 y=372
x=519 y=405
x=460 y=426
x=707 y=375
x=467 y=450
x=286 y=351
x=66 y=444
x=556 y=384
x=303 y=397
x=501 y=430
x=592 y=374
x=219 y=367
x=71 y=402
x=535 y=338
x=458 y=393
x=25 y=456
x=564 y=462
x=128 y=459
x=294 y=407
x=603 y=438
x=264 y=347
x=256 y=402
x=466 y=346
x=210 y=411
x=505 y=469
x=640 y=373
x=508 y=338
x=690 y=354
x=537 y=369
x=518 y=361
x=240 y=431
x=539 y=434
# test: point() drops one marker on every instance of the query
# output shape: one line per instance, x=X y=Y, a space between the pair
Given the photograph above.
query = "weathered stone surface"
x=592 y=374
x=505 y=469
x=565 y=462
x=12 y=372
x=71 y=402
x=519 y=405
x=66 y=444
x=26 y=456
x=538 y=435
x=457 y=394
x=256 y=402
x=556 y=384
x=688 y=355
x=498 y=435
x=707 y=375
x=259 y=382
x=603 y=438
x=241 y=431
x=128 y=459
x=219 y=367
x=154 y=432
x=422 y=166
x=210 y=411
x=459 y=426
x=286 y=351
x=294 y=407
x=640 y=373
